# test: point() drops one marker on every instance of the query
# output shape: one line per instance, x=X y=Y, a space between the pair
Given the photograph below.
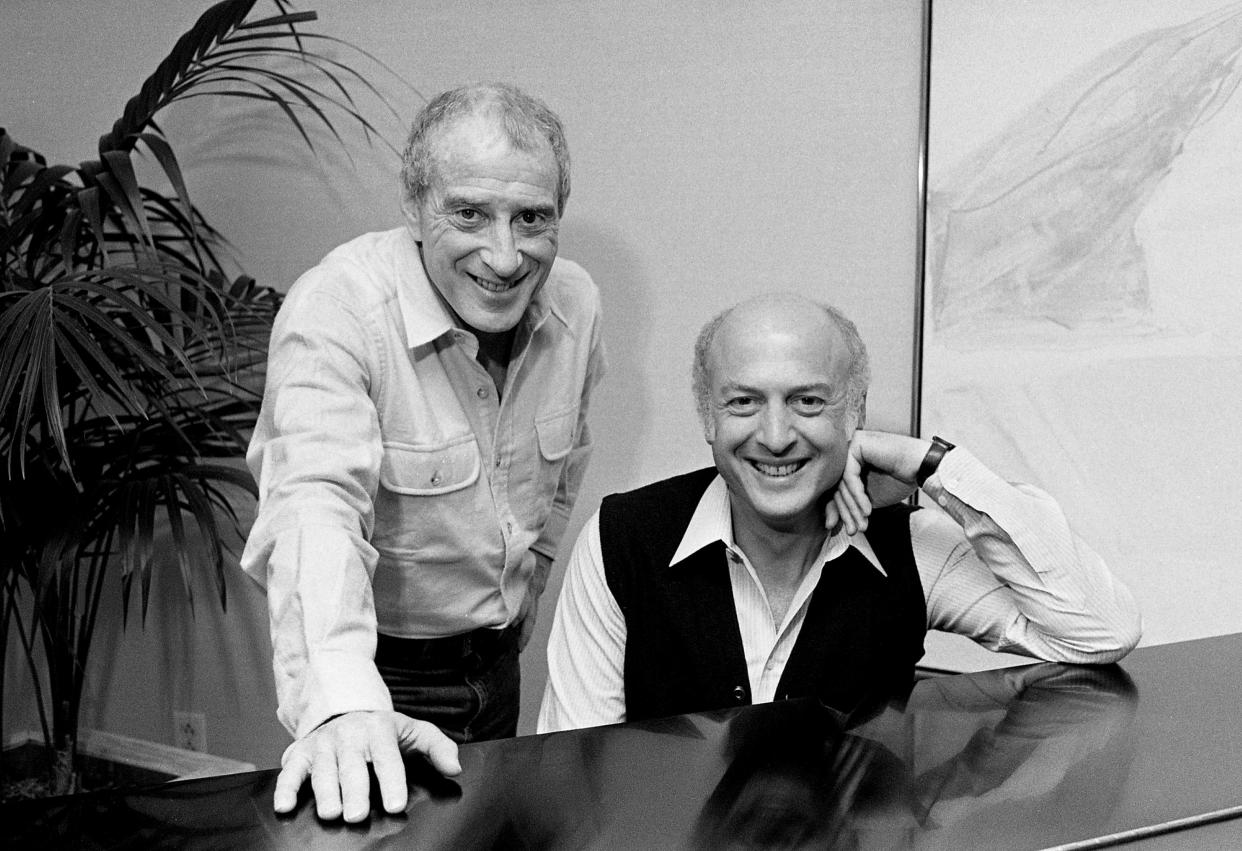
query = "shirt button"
x=436 y=478
x=739 y=694
x=481 y=392
x=498 y=461
x=943 y=500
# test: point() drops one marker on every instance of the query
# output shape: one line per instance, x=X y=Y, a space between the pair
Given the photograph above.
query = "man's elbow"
x=1129 y=636
x=1124 y=636
x=1101 y=642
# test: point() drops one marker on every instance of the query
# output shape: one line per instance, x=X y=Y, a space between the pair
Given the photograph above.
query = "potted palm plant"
x=131 y=352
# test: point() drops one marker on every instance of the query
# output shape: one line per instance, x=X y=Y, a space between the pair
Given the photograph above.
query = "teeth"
x=494 y=286
x=777 y=469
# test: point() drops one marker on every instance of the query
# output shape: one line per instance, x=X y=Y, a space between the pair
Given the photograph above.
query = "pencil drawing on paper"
x=1037 y=225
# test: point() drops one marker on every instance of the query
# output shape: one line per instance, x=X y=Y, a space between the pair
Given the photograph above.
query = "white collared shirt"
x=999 y=564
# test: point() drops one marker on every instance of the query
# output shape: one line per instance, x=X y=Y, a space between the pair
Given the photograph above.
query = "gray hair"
x=526 y=120
x=857 y=382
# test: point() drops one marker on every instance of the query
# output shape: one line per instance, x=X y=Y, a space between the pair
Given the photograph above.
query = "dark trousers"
x=467 y=685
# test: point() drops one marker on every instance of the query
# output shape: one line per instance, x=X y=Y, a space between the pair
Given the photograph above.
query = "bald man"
x=791 y=567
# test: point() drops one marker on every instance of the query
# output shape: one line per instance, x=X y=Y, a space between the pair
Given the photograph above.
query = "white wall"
x=720 y=149
x=1113 y=382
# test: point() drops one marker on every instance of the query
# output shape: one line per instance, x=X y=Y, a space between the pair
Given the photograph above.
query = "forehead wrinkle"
x=804 y=387
x=459 y=143
x=827 y=387
x=833 y=393
x=479 y=197
x=497 y=193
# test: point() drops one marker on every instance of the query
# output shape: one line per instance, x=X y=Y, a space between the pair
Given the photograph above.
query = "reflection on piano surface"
x=1012 y=744
x=961 y=762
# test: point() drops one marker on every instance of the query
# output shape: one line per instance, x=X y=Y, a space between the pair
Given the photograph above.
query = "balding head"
x=782 y=313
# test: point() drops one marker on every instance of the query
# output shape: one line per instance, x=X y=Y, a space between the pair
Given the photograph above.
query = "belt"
x=483 y=642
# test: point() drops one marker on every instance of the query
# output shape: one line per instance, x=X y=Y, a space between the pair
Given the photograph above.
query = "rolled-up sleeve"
x=316 y=455
x=1002 y=566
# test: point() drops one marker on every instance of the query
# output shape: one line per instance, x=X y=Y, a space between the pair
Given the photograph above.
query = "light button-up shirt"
x=397 y=492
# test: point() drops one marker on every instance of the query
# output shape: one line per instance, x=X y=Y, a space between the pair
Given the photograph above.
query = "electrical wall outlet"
x=190 y=731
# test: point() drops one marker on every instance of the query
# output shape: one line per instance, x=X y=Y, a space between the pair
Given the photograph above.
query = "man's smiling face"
x=780 y=424
x=488 y=224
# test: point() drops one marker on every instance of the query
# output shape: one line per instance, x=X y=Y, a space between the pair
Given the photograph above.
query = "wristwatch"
x=931 y=460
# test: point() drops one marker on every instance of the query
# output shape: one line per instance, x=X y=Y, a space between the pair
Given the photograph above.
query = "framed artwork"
x=1082 y=301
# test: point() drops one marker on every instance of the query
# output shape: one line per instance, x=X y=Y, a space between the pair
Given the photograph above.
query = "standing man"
x=422 y=440
x=769 y=576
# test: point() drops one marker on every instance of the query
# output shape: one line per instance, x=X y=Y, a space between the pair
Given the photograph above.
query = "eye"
x=808 y=405
x=532 y=221
x=741 y=405
x=467 y=216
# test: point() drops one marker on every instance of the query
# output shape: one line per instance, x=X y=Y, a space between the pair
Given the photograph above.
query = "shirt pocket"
x=556 y=433
x=541 y=472
x=430 y=471
x=432 y=509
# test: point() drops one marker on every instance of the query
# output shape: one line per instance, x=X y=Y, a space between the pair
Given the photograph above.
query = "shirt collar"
x=712 y=521
x=425 y=315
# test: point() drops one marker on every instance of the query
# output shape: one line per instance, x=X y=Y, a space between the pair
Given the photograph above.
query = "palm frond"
x=118 y=333
x=132 y=352
x=223 y=47
x=154 y=95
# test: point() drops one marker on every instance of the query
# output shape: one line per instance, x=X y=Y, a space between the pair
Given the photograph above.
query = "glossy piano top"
x=1026 y=757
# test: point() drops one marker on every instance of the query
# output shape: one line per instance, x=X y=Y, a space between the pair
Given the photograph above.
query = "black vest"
x=862 y=635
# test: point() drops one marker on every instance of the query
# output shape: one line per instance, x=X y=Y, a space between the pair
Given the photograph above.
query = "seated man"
x=770 y=576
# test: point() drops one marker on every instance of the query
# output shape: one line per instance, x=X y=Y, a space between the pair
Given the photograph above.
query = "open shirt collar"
x=712 y=521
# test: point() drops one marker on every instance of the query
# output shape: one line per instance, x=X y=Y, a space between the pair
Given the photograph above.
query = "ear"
x=709 y=430
x=411 y=211
x=862 y=413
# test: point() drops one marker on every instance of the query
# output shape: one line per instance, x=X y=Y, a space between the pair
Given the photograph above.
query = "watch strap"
x=931 y=461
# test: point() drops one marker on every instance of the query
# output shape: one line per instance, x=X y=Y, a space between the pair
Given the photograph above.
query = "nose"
x=501 y=253
x=776 y=433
